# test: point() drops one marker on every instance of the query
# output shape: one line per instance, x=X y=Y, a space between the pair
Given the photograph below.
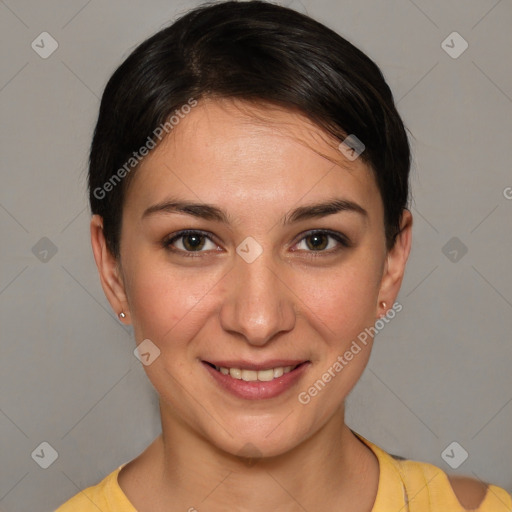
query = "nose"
x=259 y=303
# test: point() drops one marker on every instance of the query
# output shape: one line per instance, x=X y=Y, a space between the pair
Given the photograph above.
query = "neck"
x=332 y=468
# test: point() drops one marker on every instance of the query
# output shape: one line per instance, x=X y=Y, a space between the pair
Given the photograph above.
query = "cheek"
x=170 y=304
x=342 y=299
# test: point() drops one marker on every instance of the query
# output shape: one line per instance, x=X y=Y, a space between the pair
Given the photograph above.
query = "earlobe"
x=384 y=308
x=394 y=266
x=108 y=269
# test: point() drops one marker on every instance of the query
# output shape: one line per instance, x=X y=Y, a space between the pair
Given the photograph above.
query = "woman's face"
x=284 y=264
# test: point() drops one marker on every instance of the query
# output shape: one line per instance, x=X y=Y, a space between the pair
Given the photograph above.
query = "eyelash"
x=344 y=242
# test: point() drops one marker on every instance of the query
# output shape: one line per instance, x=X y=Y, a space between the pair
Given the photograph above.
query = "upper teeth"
x=253 y=375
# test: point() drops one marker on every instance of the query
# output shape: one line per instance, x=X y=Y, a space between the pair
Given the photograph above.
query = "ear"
x=394 y=266
x=109 y=270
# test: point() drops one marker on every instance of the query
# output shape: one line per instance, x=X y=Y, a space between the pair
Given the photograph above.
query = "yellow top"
x=404 y=485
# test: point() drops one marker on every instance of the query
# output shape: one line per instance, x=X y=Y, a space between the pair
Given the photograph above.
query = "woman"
x=249 y=189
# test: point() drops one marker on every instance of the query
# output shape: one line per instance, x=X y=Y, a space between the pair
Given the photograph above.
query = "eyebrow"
x=211 y=212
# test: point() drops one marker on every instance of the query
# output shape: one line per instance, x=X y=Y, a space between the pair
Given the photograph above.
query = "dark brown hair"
x=254 y=51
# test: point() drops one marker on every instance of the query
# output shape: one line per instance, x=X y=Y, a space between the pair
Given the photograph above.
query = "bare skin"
x=295 y=301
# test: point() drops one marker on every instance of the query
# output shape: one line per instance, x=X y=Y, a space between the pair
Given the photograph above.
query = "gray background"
x=440 y=372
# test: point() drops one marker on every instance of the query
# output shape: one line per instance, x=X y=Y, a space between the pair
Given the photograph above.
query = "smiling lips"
x=250 y=372
x=253 y=375
x=256 y=381
x=264 y=372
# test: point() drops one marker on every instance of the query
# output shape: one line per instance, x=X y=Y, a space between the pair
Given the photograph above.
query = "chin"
x=255 y=437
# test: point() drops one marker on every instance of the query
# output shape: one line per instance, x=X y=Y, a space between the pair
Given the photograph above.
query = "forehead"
x=230 y=150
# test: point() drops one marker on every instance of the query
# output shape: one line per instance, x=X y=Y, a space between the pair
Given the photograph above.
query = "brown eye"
x=317 y=241
x=323 y=241
x=189 y=242
x=193 y=242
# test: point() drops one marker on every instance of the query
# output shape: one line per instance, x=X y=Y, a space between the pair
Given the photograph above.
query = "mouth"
x=256 y=381
x=252 y=375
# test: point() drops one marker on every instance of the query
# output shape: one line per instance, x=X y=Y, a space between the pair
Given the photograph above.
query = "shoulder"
x=480 y=496
x=469 y=491
x=78 y=503
x=105 y=496
x=453 y=492
x=428 y=487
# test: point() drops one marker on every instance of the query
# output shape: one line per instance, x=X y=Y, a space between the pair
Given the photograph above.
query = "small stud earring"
x=122 y=315
x=383 y=305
